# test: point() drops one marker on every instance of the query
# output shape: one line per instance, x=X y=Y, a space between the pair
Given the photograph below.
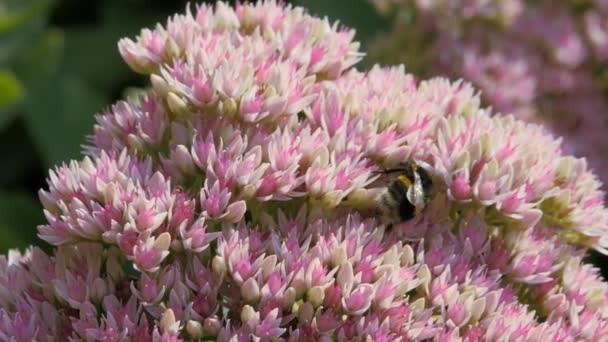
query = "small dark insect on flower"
x=408 y=194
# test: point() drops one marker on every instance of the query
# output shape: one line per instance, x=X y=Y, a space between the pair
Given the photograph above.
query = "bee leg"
x=389 y=171
x=405 y=167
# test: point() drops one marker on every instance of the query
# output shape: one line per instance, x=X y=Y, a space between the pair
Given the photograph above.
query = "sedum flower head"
x=237 y=198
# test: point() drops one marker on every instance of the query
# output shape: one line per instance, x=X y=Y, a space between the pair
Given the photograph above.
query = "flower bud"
x=168 y=322
x=305 y=313
x=194 y=329
x=250 y=291
x=98 y=290
x=218 y=265
x=339 y=256
x=212 y=326
x=160 y=85
x=183 y=159
x=289 y=297
x=176 y=104
x=249 y=316
x=316 y=295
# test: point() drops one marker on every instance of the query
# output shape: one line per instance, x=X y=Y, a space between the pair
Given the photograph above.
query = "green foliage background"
x=59 y=65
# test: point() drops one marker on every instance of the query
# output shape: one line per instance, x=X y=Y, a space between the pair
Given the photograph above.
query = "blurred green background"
x=59 y=65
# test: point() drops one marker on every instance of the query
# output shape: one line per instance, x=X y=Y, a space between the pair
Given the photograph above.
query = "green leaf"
x=41 y=60
x=9 y=240
x=12 y=93
x=92 y=51
x=358 y=14
x=11 y=90
x=16 y=13
x=60 y=114
x=20 y=215
x=92 y=54
x=13 y=43
x=21 y=24
x=19 y=155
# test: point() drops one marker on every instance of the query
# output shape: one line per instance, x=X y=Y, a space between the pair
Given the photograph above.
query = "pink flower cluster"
x=236 y=200
x=542 y=61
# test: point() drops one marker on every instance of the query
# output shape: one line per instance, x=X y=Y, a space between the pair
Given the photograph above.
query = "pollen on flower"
x=237 y=198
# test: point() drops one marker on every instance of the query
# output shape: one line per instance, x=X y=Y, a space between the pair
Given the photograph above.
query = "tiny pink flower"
x=359 y=300
x=149 y=253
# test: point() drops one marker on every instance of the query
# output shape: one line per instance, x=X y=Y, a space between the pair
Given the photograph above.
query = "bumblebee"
x=408 y=194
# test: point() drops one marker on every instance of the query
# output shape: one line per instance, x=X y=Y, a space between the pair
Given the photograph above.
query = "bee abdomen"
x=406 y=210
x=398 y=191
x=394 y=202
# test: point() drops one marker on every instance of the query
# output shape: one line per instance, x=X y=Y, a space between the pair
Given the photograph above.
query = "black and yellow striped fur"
x=407 y=194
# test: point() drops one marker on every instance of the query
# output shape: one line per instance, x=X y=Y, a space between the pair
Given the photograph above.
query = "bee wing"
x=415 y=193
x=426 y=166
x=436 y=181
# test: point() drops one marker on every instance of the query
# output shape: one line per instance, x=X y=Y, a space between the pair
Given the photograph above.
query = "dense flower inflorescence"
x=236 y=198
x=543 y=61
